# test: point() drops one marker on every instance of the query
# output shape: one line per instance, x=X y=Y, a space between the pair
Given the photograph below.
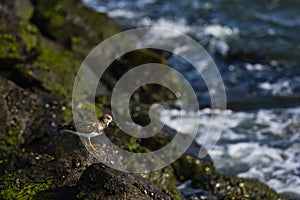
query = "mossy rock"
x=41 y=176
x=19 y=186
x=29 y=34
x=101 y=182
x=21 y=114
x=165 y=178
x=19 y=40
x=196 y=168
x=230 y=187
x=55 y=70
x=51 y=75
x=21 y=8
x=149 y=93
x=34 y=80
x=71 y=24
x=11 y=162
x=9 y=47
x=22 y=54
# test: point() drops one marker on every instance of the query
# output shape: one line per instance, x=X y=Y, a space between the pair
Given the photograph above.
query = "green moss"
x=29 y=35
x=49 y=71
x=82 y=194
x=230 y=187
x=196 y=168
x=18 y=40
x=149 y=93
x=10 y=136
x=223 y=187
x=164 y=177
x=56 y=70
x=12 y=139
x=98 y=22
x=57 y=20
x=18 y=186
x=73 y=25
x=9 y=47
x=149 y=56
x=174 y=193
x=134 y=146
x=136 y=58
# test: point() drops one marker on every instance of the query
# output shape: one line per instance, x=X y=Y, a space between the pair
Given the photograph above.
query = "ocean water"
x=261 y=144
x=256 y=46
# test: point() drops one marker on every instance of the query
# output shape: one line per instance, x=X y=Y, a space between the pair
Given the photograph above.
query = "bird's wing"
x=86 y=127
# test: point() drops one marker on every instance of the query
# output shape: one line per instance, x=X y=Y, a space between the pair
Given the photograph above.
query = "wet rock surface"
x=101 y=182
x=41 y=48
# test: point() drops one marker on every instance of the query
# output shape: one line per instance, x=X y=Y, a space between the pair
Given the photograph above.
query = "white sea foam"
x=179 y=24
x=219 y=31
x=218 y=36
x=121 y=13
x=279 y=88
x=264 y=145
x=257 y=67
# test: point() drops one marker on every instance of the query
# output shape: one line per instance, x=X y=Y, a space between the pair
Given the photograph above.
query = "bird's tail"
x=66 y=127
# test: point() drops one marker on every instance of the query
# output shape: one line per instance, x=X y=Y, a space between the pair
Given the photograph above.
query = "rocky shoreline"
x=42 y=46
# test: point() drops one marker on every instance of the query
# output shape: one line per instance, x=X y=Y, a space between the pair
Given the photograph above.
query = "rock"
x=20 y=185
x=42 y=174
x=21 y=115
x=55 y=70
x=101 y=182
x=230 y=187
x=19 y=39
x=30 y=65
x=197 y=168
x=147 y=94
x=72 y=25
x=21 y=8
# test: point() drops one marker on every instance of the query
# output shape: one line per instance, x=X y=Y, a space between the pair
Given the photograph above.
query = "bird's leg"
x=89 y=144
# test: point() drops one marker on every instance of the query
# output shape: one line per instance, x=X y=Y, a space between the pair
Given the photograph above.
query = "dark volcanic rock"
x=43 y=175
x=230 y=187
x=101 y=182
x=21 y=115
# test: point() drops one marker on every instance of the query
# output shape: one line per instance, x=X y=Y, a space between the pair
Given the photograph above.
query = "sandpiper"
x=88 y=129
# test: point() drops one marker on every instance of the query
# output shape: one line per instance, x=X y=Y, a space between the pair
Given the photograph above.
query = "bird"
x=88 y=129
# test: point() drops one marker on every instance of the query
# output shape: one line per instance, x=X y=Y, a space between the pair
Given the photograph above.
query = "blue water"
x=256 y=47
